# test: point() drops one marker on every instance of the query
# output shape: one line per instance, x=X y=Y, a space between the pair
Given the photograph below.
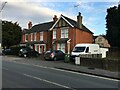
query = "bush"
x=113 y=54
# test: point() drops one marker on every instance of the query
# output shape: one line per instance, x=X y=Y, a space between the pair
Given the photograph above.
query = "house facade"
x=66 y=33
x=38 y=37
x=62 y=34
x=102 y=41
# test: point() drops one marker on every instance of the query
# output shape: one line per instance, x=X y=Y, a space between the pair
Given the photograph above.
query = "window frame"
x=26 y=37
x=31 y=36
x=64 y=33
x=54 y=33
x=41 y=36
x=35 y=36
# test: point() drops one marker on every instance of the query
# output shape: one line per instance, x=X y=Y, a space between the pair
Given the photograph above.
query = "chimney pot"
x=55 y=18
x=29 y=25
x=79 y=14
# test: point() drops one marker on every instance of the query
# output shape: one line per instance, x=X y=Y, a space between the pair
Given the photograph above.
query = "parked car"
x=28 y=52
x=13 y=50
x=54 y=55
x=7 y=52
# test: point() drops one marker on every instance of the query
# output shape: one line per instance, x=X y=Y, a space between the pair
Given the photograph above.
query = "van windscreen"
x=79 y=49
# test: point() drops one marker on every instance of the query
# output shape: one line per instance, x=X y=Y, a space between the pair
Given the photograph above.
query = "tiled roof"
x=40 y=27
x=75 y=24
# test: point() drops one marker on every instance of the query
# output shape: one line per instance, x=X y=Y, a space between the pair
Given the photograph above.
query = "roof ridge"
x=45 y=23
x=74 y=23
x=68 y=18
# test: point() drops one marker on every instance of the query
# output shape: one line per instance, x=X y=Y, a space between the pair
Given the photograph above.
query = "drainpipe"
x=68 y=45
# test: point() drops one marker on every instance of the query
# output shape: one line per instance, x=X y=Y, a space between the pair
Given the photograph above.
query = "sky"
x=39 y=11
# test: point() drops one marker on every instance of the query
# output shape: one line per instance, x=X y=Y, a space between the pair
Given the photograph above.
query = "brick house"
x=66 y=33
x=102 y=41
x=38 y=37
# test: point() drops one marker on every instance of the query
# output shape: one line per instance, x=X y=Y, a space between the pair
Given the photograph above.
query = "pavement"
x=72 y=67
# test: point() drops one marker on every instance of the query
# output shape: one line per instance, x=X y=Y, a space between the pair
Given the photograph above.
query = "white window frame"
x=31 y=36
x=64 y=32
x=41 y=36
x=61 y=47
x=54 y=34
x=26 y=37
x=35 y=36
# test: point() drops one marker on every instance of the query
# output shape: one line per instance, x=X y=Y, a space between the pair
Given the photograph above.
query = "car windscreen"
x=79 y=49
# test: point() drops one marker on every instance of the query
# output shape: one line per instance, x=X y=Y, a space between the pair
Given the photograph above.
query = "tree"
x=11 y=33
x=113 y=26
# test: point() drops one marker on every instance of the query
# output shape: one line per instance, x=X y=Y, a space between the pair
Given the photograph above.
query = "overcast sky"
x=39 y=11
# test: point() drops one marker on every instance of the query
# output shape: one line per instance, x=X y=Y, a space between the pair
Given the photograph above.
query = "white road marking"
x=70 y=71
x=63 y=86
x=77 y=73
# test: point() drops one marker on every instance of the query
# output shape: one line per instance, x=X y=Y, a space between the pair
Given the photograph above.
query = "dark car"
x=7 y=52
x=54 y=55
x=28 y=52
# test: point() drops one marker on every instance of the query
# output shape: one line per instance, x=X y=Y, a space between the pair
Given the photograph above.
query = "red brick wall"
x=76 y=36
x=83 y=37
x=72 y=36
x=38 y=36
x=23 y=38
x=49 y=40
x=46 y=38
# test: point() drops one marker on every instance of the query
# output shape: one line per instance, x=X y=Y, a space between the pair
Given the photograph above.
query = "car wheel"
x=55 y=59
x=25 y=55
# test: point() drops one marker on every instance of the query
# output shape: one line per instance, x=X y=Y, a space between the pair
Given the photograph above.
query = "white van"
x=87 y=49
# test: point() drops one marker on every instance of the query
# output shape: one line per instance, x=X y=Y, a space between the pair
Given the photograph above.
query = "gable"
x=61 y=23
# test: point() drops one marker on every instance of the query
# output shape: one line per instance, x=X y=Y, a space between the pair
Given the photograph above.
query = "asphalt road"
x=20 y=75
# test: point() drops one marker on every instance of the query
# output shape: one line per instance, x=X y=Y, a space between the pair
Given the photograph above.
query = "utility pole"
x=3 y=5
x=1 y=8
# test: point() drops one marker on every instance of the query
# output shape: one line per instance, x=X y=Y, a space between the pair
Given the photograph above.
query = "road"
x=22 y=75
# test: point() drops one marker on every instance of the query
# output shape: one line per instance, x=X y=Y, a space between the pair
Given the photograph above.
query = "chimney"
x=29 y=25
x=79 y=20
x=55 y=18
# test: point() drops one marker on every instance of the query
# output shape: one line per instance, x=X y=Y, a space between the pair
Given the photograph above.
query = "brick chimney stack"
x=29 y=25
x=79 y=20
x=55 y=18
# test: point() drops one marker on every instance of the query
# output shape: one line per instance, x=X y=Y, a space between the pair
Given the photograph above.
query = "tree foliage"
x=11 y=33
x=113 y=26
